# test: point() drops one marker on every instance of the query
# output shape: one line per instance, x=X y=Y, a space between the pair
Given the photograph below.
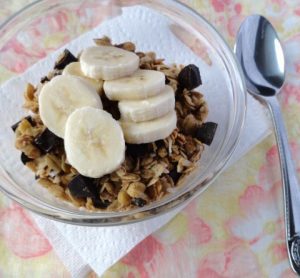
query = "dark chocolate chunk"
x=64 y=59
x=100 y=204
x=111 y=107
x=47 y=141
x=175 y=176
x=167 y=80
x=206 y=132
x=160 y=143
x=189 y=77
x=83 y=187
x=28 y=118
x=136 y=150
x=15 y=126
x=44 y=79
x=138 y=202
x=25 y=158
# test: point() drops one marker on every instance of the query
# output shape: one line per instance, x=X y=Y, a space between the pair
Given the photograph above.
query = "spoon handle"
x=291 y=190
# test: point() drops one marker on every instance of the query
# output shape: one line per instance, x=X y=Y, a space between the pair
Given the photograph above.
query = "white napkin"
x=83 y=248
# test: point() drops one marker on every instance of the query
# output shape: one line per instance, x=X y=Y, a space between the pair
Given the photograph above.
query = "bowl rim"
x=167 y=204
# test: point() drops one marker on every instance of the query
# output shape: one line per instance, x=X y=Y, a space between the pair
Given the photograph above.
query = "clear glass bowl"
x=174 y=32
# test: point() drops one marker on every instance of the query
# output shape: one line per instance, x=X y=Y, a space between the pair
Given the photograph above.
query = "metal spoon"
x=261 y=57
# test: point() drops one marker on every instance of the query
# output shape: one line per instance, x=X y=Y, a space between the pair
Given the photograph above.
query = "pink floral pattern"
x=235 y=229
x=228 y=264
x=21 y=235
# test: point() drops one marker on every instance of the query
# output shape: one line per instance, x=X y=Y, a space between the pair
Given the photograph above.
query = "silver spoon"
x=261 y=57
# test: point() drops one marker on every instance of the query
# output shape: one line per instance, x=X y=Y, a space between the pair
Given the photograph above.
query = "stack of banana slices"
x=146 y=105
x=71 y=108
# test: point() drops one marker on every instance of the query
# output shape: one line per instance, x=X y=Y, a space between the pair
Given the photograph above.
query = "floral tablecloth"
x=235 y=229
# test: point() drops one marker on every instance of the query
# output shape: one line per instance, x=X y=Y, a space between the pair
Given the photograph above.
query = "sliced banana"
x=75 y=69
x=148 y=109
x=94 y=142
x=140 y=85
x=61 y=96
x=108 y=62
x=150 y=131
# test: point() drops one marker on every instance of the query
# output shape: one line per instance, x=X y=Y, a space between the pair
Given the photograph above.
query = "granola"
x=150 y=171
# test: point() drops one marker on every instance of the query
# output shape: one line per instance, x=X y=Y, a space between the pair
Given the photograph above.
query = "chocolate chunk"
x=25 y=158
x=111 y=107
x=15 y=126
x=64 y=59
x=189 y=77
x=136 y=150
x=175 y=176
x=206 y=132
x=83 y=187
x=28 y=118
x=167 y=80
x=138 y=202
x=47 y=141
x=160 y=143
x=100 y=204
x=44 y=79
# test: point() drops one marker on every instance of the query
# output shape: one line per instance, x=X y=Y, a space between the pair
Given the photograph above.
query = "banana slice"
x=75 y=69
x=94 y=142
x=150 y=131
x=61 y=96
x=140 y=85
x=108 y=62
x=148 y=109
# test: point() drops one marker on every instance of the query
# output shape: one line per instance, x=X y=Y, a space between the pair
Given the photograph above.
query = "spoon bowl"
x=260 y=54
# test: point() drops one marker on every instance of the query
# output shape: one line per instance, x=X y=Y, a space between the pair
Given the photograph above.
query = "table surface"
x=235 y=229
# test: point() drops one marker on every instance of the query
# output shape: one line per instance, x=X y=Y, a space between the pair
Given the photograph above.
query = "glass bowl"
x=171 y=29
